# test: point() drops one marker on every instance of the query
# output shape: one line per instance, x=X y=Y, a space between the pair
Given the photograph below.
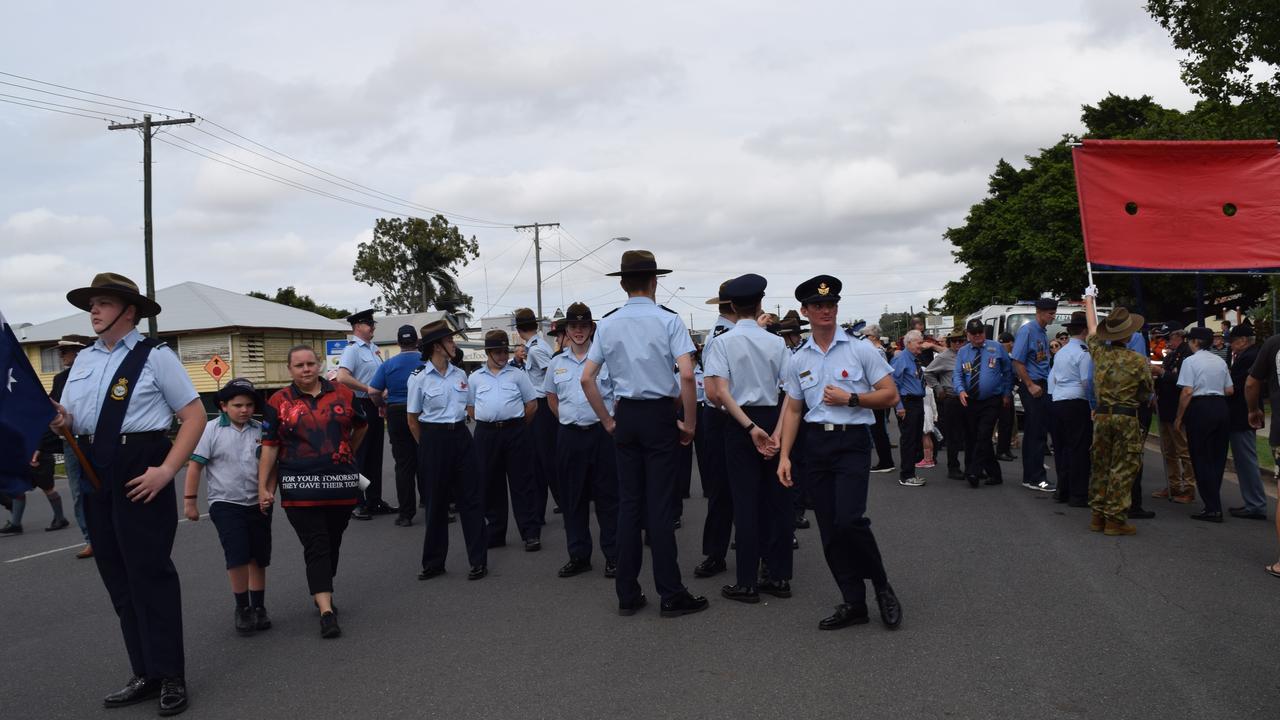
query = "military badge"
x=823 y=289
x=120 y=390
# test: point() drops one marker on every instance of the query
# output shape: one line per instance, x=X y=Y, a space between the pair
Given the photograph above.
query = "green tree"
x=1223 y=39
x=413 y=263
x=289 y=296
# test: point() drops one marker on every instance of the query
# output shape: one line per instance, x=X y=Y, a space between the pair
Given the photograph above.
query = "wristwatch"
x=854 y=401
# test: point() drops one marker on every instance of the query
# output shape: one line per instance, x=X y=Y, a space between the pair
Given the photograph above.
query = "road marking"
x=70 y=547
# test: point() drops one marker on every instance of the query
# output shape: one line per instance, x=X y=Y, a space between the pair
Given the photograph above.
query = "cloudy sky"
x=727 y=137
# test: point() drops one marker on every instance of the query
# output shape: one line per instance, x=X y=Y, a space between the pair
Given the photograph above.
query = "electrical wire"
x=86 y=92
x=78 y=99
x=64 y=112
x=527 y=253
x=69 y=107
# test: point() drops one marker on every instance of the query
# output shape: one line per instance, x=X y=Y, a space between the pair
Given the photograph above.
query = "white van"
x=1008 y=318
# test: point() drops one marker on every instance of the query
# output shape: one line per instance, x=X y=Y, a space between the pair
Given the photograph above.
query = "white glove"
x=1091 y=292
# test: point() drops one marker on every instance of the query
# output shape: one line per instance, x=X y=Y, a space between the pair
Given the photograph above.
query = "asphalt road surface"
x=1013 y=609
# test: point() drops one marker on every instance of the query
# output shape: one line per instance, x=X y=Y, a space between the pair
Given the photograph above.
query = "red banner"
x=1185 y=206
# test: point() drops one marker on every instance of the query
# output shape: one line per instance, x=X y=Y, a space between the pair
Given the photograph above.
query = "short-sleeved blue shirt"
x=990 y=363
x=564 y=380
x=752 y=360
x=1205 y=373
x=640 y=343
x=393 y=375
x=163 y=387
x=850 y=364
x=437 y=398
x=1031 y=348
x=361 y=359
x=499 y=396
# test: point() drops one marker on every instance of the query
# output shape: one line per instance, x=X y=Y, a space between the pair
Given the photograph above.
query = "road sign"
x=333 y=352
x=939 y=322
x=217 y=368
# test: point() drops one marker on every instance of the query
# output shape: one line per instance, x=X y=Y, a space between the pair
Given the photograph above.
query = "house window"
x=50 y=360
x=201 y=348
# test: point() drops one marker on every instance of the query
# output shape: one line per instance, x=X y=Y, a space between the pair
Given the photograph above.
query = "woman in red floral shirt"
x=310 y=431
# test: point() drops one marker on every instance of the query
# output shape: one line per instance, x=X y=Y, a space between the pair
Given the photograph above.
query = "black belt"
x=581 y=428
x=442 y=426
x=1208 y=397
x=1129 y=410
x=126 y=438
x=513 y=422
x=832 y=427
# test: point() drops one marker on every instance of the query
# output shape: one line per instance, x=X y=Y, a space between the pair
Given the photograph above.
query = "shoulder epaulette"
x=417 y=370
x=664 y=307
x=558 y=352
x=720 y=330
x=611 y=312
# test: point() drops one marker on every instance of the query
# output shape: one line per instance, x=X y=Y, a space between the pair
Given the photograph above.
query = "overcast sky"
x=727 y=137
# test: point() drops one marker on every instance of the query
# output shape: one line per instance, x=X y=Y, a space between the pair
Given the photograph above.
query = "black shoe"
x=403 y=521
x=428 y=573
x=57 y=524
x=384 y=508
x=361 y=513
x=709 y=568
x=261 y=620
x=683 y=604
x=477 y=572
x=776 y=588
x=453 y=518
x=532 y=545
x=244 y=620
x=610 y=569
x=844 y=616
x=556 y=510
x=1213 y=517
x=1239 y=512
x=802 y=522
x=795 y=543
x=11 y=529
x=173 y=696
x=741 y=593
x=135 y=691
x=329 y=625
x=993 y=481
x=575 y=566
x=1141 y=514
x=1006 y=457
x=631 y=608
x=973 y=480
x=890 y=608
x=955 y=474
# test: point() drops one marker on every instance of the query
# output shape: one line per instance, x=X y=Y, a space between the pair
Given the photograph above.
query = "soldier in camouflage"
x=1121 y=383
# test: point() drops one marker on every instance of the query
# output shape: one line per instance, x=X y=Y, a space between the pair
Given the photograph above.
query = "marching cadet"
x=585 y=459
x=502 y=402
x=639 y=342
x=543 y=428
x=1071 y=387
x=743 y=371
x=841 y=380
x=1121 y=381
x=436 y=409
x=981 y=380
x=1202 y=413
x=1030 y=357
x=718 y=525
x=119 y=401
x=359 y=363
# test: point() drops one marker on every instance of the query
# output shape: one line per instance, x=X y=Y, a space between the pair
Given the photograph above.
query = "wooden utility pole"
x=145 y=126
x=537 y=258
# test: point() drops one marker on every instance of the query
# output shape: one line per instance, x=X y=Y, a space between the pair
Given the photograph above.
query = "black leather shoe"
x=556 y=510
x=972 y=479
x=532 y=545
x=261 y=620
x=890 y=608
x=844 y=616
x=428 y=573
x=802 y=522
x=57 y=524
x=1213 y=517
x=477 y=572
x=244 y=620
x=361 y=513
x=776 y=588
x=993 y=481
x=453 y=518
x=741 y=593
x=631 y=608
x=384 y=508
x=683 y=604
x=1246 y=514
x=173 y=696
x=575 y=566
x=610 y=570
x=135 y=691
x=1141 y=514
x=795 y=543
x=709 y=568
x=1007 y=457
x=11 y=529
x=329 y=626
x=403 y=521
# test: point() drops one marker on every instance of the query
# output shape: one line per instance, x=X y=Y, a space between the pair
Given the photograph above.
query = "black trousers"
x=980 y=419
x=544 y=431
x=1073 y=436
x=762 y=507
x=320 y=531
x=1208 y=436
x=800 y=500
x=370 y=453
x=505 y=458
x=715 y=485
x=1145 y=412
x=646 y=439
x=880 y=434
x=839 y=469
x=132 y=542
x=447 y=471
x=1006 y=427
x=405 y=453
x=910 y=435
x=954 y=429
x=587 y=466
x=1035 y=433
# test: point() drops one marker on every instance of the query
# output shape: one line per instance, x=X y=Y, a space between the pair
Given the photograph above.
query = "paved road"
x=1013 y=610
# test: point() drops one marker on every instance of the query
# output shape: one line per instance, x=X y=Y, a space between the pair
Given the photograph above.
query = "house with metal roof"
x=201 y=322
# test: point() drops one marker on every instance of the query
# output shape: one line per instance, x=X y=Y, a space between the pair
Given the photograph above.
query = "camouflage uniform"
x=1121 y=378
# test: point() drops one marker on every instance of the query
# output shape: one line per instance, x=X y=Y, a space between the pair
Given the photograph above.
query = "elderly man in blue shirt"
x=983 y=381
x=909 y=378
x=1071 y=387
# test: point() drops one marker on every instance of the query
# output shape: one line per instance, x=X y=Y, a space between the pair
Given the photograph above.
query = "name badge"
x=991 y=363
x=808 y=380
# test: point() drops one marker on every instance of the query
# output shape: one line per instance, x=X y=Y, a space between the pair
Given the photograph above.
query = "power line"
x=69 y=107
x=73 y=97
x=64 y=112
x=513 y=281
x=86 y=92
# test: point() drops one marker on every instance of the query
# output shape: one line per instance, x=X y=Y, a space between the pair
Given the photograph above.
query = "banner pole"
x=84 y=461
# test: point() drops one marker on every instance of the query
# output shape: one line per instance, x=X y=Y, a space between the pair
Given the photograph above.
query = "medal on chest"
x=120 y=390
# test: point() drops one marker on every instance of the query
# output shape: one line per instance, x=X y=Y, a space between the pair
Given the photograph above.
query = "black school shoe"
x=478 y=572
x=844 y=616
x=532 y=545
x=1213 y=517
x=709 y=568
x=262 y=621
x=890 y=608
x=428 y=573
x=135 y=691
x=631 y=608
x=610 y=569
x=683 y=604
x=575 y=566
x=740 y=593
x=776 y=588
x=329 y=626
x=244 y=620
x=173 y=696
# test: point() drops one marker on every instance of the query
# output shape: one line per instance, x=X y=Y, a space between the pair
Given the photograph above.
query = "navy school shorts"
x=245 y=533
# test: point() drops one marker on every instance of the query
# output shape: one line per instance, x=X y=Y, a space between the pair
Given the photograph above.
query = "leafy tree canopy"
x=1233 y=45
x=414 y=263
x=289 y=296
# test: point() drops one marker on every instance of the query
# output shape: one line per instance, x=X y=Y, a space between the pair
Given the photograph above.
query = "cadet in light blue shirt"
x=433 y=397
x=162 y=386
x=1072 y=375
x=563 y=383
x=360 y=359
x=640 y=342
x=359 y=363
x=1205 y=374
x=1071 y=387
x=538 y=359
x=1202 y=410
x=751 y=359
x=504 y=394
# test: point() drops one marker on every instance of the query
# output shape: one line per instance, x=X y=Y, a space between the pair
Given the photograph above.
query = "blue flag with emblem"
x=25 y=413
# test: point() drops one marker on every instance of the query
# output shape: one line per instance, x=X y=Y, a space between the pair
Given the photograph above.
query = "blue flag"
x=25 y=413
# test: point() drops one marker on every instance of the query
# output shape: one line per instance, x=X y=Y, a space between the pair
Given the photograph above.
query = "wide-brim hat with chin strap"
x=119 y=286
x=720 y=298
x=1119 y=325
x=75 y=342
x=577 y=312
x=638 y=262
x=1077 y=323
x=433 y=331
x=497 y=340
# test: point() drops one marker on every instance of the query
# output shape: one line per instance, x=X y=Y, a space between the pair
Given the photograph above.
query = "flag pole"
x=85 y=466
